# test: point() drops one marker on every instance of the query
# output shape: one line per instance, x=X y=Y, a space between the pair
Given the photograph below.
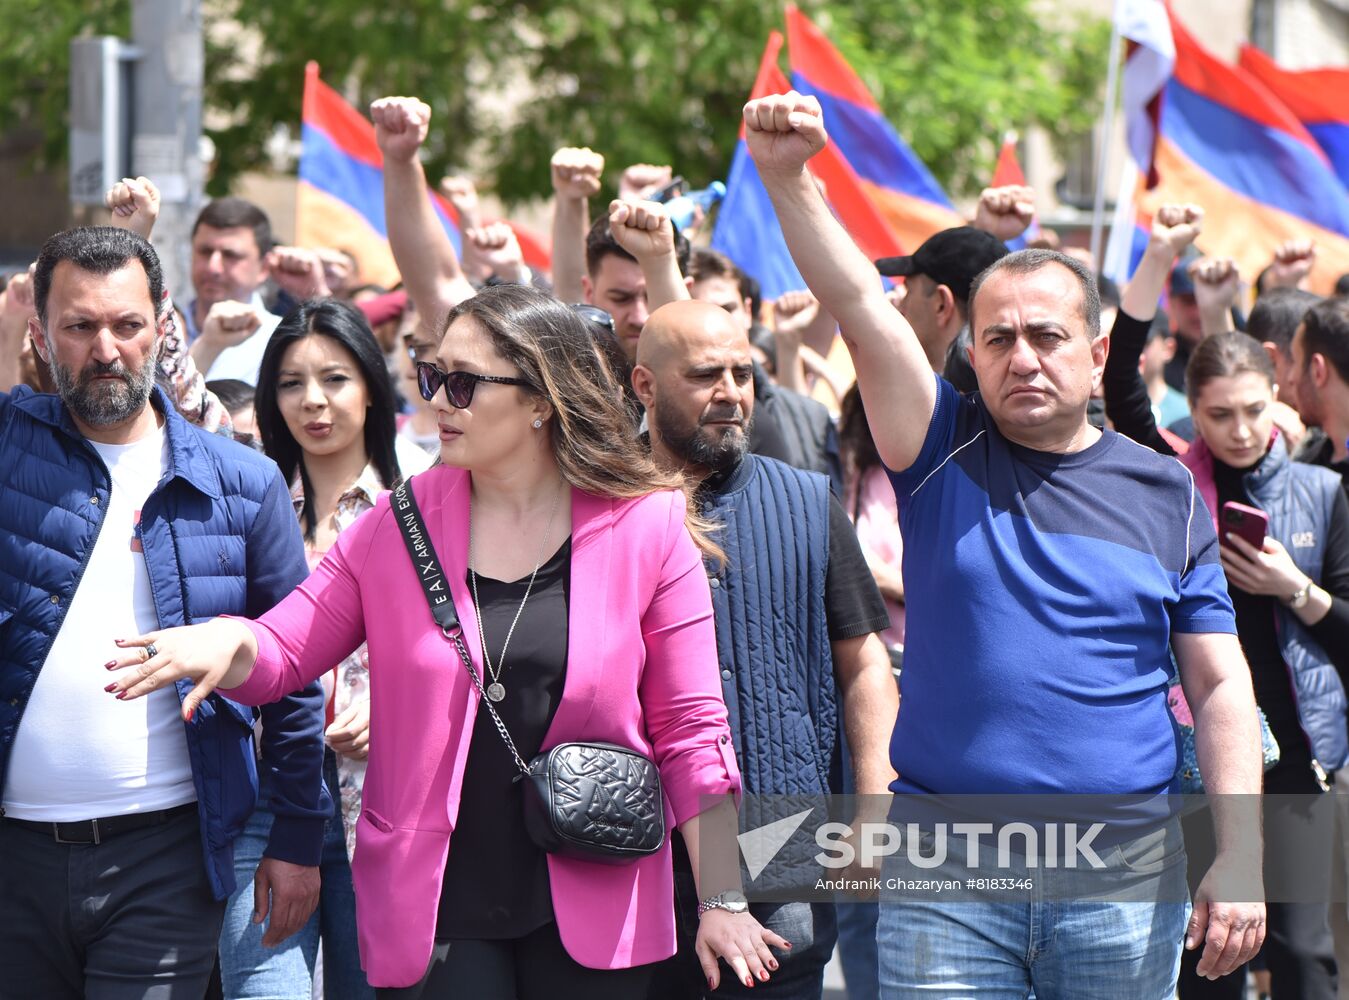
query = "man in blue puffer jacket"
x=118 y=517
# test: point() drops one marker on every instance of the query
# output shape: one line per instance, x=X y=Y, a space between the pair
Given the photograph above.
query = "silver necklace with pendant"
x=496 y=691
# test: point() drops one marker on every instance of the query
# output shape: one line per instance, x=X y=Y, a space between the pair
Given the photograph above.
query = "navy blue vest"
x=777 y=670
x=1298 y=499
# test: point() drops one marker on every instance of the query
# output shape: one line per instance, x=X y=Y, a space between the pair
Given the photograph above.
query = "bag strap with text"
x=436 y=587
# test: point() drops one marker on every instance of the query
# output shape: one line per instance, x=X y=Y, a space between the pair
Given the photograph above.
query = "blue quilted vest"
x=1298 y=499
x=777 y=670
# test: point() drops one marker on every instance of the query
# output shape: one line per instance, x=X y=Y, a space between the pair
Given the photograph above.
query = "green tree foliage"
x=35 y=63
x=511 y=80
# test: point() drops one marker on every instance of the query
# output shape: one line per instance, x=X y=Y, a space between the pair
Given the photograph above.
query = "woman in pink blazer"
x=585 y=607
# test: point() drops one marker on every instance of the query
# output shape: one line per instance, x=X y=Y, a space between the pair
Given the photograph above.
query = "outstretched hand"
x=218 y=653
x=784 y=131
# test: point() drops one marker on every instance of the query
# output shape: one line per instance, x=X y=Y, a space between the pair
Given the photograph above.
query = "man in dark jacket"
x=797 y=616
x=118 y=517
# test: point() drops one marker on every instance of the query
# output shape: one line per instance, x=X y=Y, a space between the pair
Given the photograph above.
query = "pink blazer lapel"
x=588 y=613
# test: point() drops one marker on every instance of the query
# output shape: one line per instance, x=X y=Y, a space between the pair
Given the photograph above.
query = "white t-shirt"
x=79 y=752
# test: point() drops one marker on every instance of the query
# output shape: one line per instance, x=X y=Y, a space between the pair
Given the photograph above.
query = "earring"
x=538 y=424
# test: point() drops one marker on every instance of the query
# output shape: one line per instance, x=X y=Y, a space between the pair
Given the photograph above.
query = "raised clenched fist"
x=576 y=172
x=1216 y=282
x=1293 y=262
x=793 y=313
x=299 y=272
x=230 y=323
x=641 y=228
x=401 y=124
x=494 y=250
x=1175 y=227
x=641 y=180
x=462 y=193
x=1005 y=212
x=134 y=202
x=18 y=300
x=784 y=131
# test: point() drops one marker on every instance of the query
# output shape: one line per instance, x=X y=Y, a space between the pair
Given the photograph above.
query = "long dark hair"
x=346 y=325
x=855 y=442
x=592 y=436
x=1225 y=355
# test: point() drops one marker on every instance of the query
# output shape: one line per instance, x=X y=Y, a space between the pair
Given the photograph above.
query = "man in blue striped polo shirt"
x=1049 y=568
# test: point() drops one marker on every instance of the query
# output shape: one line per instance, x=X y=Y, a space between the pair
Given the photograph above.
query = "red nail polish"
x=111 y=687
x=763 y=975
x=191 y=712
x=711 y=985
x=110 y=664
x=121 y=696
x=749 y=982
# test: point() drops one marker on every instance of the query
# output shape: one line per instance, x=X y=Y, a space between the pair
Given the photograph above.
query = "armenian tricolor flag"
x=747 y=229
x=1229 y=145
x=1318 y=97
x=896 y=181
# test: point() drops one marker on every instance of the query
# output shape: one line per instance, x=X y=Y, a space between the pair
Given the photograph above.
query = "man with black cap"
x=937 y=279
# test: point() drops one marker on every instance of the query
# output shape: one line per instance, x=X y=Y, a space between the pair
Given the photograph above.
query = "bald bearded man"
x=797 y=617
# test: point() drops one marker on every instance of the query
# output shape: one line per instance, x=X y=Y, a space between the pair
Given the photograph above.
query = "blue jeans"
x=250 y=971
x=1048 y=943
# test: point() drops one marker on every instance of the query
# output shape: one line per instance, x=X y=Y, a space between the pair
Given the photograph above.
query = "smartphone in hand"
x=1247 y=523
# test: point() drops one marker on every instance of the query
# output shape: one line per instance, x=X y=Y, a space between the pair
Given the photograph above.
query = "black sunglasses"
x=459 y=386
x=593 y=314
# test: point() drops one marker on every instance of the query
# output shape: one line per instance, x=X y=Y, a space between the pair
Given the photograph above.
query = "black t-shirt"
x=852 y=603
x=496 y=879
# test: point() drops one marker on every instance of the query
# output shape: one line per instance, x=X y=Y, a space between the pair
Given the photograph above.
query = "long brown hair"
x=592 y=437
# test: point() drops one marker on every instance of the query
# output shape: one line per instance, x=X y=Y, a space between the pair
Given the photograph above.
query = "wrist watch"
x=1299 y=597
x=732 y=901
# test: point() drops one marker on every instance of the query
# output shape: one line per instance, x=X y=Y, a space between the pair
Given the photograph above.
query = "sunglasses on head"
x=459 y=386
x=593 y=314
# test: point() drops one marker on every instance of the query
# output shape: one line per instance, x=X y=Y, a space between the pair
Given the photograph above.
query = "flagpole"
x=1119 y=248
x=1108 y=137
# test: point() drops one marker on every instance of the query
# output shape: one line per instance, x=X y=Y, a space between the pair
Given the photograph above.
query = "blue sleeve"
x=1204 y=604
x=937 y=445
x=292 y=728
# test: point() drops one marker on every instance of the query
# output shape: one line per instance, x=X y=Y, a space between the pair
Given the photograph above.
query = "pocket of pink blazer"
x=396 y=873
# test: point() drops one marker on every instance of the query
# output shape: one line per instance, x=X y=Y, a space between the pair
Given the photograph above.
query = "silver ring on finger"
x=150 y=651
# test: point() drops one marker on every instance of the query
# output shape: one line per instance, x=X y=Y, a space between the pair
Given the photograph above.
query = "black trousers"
x=132 y=918
x=534 y=967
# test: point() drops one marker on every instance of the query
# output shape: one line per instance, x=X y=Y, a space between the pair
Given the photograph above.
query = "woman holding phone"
x=1289 y=592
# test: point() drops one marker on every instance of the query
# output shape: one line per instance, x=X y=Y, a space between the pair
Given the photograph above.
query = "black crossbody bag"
x=592 y=801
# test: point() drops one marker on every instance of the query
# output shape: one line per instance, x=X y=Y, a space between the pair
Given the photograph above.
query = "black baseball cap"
x=952 y=257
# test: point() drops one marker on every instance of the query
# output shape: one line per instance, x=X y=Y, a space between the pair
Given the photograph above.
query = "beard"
x=105 y=403
x=714 y=448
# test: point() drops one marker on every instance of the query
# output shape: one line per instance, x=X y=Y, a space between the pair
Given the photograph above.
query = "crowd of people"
x=847 y=541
